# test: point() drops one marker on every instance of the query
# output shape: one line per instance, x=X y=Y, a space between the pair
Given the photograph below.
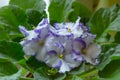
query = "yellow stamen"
x=69 y=30
x=84 y=51
x=41 y=42
x=61 y=56
x=24 y=39
x=33 y=27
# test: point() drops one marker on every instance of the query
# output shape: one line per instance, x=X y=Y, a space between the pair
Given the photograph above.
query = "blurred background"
x=3 y=2
x=91 y=4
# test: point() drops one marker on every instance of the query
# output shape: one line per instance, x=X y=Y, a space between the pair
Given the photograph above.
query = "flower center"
x=84 y=51
x=69 y=30
x=41 y=42
x=33 y=27
x=60 y=55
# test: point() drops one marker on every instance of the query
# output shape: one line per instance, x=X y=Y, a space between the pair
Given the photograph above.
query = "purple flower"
x=75 y=29
x=59 y=54
x=87 y=48
x=63 y=46
x=33 y=43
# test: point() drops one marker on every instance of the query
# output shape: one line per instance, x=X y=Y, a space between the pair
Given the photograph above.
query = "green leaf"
x=60 y=77
x=24 y=65
x=81 y=11
x=26 y=78
x=40 y=76
x=4 y=35
x=42 y=73
x=110 y=52
x=34 y=16
x=11 y=50
x=34 y=64
x=111 y=71
x=15 y=76
x=59 y=10
x=88 y=75
x=78 y=70
x=11 y=17
x=7 y=68
x=117 y=37
x=105 y=21
x=38 y=5
x=76 y=78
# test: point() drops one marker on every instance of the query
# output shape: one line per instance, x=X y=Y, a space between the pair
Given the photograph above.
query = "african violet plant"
x=68 y=42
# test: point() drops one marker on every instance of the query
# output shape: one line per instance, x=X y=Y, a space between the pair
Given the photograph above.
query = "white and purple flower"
x=63 y=46
x=59 y=54
x=33 y=43
x=87 y=48
x=76 y=29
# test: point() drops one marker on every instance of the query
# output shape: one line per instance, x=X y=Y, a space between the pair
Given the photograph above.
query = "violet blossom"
x=63 y=46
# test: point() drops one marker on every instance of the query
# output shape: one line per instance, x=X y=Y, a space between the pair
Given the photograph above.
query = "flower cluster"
x=63 y=46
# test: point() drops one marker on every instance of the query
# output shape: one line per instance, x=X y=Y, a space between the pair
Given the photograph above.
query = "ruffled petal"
x=52 y=44
x=43 y=23
x=77 y=29
x=41 y=54
x=71 y=62
x=77 y=57
x=88 y=38
x=64 y=67
x=51 y=59
x=78 y=45
x=23 y=30
x=92 y=53
x=43 y=29
x=31 y=48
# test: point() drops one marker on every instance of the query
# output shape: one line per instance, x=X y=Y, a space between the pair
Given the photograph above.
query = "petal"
x=78 y=58
x=31 y=48
x=63 y=32
x=77 y=30
x=92 y=53
x=32 y=35
x=88 y=38
x=64 y=67
x=68 y=46
x=71 y=62
x=51 y=59
x=42 y=29
x=41 y=54
x=43 y=33
x=77 y=21
x=51 y=44
x=23 y=30
x=43 y=22
x=57 y=64
x=58 y=26
x=22 y=42
x=78 y=44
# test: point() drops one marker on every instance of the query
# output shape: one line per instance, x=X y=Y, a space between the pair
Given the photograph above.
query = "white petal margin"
x=77 y=30
x=29 y=35
x=31 y=48
x=92 y=53
x=70 y=28
x=64 y=67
